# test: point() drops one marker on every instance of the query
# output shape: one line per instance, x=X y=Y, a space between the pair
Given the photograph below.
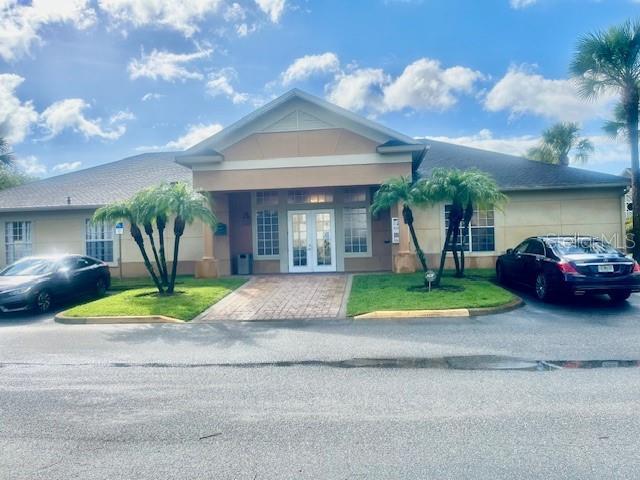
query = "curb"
x=517 y=302
x=514 y=304
x=62 y=318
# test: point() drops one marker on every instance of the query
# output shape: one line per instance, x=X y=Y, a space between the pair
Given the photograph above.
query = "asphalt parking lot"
x=581 y=329
x=294 y=399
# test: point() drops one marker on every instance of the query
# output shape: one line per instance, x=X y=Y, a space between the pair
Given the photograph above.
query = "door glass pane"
x=323 y=238
x=299 y=239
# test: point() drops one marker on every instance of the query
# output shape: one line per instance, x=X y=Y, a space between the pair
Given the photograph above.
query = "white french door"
x=312 y=245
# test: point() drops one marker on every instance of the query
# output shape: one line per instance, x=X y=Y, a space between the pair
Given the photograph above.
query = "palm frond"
x=390 y=193
x=6 y=157
x=114 y=212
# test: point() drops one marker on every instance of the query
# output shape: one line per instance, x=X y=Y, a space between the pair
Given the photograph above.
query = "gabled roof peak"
x=219 y=140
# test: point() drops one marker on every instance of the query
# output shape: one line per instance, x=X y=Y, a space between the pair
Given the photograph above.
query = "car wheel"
x=619 y=296
x=500 y=276
x=101 y=287
x=542 y=288
x=43 y=301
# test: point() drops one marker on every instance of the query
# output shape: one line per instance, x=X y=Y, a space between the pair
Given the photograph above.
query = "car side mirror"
x=509 y=251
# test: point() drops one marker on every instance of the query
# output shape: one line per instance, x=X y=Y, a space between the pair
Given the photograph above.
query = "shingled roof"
x=511 y=172
x=96 y=186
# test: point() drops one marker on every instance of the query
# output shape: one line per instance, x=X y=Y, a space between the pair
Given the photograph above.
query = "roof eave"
x=190 y=160
x=525 y=188
x=42 y=208
x=401 y=148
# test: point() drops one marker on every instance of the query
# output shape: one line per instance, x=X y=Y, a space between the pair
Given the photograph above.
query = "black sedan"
x=38 y=282
x=557 y=265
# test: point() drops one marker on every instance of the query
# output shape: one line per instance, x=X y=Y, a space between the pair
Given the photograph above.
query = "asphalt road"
x=212 y=401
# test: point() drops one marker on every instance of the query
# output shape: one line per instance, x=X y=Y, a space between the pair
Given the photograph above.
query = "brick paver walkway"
x=276 y=297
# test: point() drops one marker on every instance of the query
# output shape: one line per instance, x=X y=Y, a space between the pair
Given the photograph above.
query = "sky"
x=84 y=82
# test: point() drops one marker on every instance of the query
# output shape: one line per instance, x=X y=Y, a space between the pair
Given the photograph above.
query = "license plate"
x=605 y=268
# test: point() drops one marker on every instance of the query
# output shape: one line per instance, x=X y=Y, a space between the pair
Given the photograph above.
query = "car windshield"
x=582 y=246
x=29 y=266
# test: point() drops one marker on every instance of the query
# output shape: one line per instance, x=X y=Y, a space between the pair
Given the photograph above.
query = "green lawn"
x=118 y=285
x=398 y=292
x=194 y=296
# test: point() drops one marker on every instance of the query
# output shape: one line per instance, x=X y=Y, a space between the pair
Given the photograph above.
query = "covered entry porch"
x=301 y=230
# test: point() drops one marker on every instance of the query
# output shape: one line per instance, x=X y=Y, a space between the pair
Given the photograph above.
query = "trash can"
x=244 y=264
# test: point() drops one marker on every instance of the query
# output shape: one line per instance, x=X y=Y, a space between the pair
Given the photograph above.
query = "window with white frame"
x=267 y=238
x=354 y=195
x=99 y=240
x=309 y=196
x=267 y=197
x=481 y=235
x=356 y=230
x=17 y=240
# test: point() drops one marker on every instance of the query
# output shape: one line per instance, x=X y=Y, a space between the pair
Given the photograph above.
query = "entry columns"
x=404 y=260
x=207 y=267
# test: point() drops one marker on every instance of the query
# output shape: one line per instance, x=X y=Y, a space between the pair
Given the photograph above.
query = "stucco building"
x=292 y=184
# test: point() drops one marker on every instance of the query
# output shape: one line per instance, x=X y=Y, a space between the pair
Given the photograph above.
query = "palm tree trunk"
x=149 y=231
x=161 y=224
x=137 y=237
x=631 y=105
x=468 y=215
x=178 y=230
x=454 y=246
x=174 y=265
x=443 y=255
x=407 y=215
x=462 y=262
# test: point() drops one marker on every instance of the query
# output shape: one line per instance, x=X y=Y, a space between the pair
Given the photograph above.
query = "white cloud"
x=244 y=29
x=607 y=150
x=522 y=92
x=304 y=67
x=121 y=116
x=151 y=96
x=359 y=89
x=66 y=167
x=180 y=16
x=31 y=165
x=273 y=8
x=16 y=117
x=194 y=135
x=485 y=140
x=69 y=114
x=517 y=4
x=234 y=13
x=166 y=65
x=219 y=84
x=424 y=85
x=21 y=24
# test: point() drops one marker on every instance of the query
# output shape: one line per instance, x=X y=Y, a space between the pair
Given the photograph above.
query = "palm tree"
x=153 y=209
x=558 y=141
x=463 y=190
x=410 y=194
x=186 y=206
x=617 y=127
x=607 y=61
x=6 y=157
x=129 y=212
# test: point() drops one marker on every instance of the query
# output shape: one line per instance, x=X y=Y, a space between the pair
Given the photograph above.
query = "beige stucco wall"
x=596 y=212
x=299 y=177
x=64 y=232
x=330 y=141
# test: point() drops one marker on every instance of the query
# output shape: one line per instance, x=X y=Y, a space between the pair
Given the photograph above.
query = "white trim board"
x=317 y=161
